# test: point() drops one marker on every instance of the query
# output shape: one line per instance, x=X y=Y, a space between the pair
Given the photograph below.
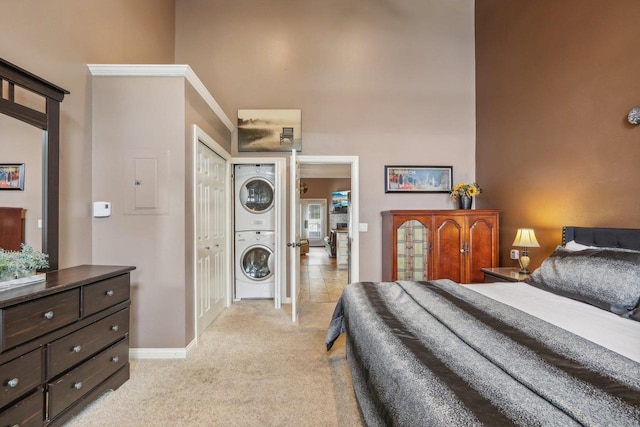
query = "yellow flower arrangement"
x=464 y=189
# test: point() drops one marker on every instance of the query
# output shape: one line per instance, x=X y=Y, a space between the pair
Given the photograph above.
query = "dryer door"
x=256 y=195
x=256 y=263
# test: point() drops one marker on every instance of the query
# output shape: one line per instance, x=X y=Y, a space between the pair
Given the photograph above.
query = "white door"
x=314 y=220
x=294 y=233
x=210 y=235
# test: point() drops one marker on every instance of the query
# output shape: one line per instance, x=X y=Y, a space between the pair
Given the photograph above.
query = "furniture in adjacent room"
x=503 y=274
x=12 y=228
x=330 y=244
x=63 y=343
x=439 y=244
x=342 y=248
x=304 y=246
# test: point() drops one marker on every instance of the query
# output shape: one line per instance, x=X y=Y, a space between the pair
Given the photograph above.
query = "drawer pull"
x=114 y=328
x=48 y=315
x=78 y=385
x=13 y=382
x=77 y=349
x=109 y=293
x=115 y=359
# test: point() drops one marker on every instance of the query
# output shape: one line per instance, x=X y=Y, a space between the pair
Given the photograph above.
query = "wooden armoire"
x=439 y=244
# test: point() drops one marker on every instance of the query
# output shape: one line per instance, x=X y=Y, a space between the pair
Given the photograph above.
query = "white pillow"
x=575 y=246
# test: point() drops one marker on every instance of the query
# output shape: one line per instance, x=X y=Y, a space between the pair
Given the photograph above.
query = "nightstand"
x=503 y=274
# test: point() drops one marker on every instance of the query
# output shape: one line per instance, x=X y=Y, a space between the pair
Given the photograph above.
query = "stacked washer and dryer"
x=254 y=231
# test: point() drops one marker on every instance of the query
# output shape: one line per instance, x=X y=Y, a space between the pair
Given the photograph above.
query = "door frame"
x=354 y=220
x=200 y=136
x=280 y=200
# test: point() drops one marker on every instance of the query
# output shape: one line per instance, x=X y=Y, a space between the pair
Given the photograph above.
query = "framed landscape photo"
x=418 y=179
x=11 y=176
x=269 y=130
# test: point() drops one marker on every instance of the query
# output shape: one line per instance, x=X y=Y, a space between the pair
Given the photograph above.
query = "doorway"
x=322 y=280
x=314 y=221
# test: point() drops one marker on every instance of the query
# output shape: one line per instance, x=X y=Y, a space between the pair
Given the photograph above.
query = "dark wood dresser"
x=63 y=343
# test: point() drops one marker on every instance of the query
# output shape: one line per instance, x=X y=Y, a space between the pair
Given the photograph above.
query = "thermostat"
x=101 y=209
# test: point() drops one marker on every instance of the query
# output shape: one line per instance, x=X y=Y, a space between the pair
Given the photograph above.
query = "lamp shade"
x=526 y=238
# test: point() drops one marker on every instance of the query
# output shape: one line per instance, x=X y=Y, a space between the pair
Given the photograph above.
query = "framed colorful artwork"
x=418 y=179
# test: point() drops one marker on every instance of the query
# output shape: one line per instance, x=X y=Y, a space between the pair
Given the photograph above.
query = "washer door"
x=257 y=263
x=256 y=195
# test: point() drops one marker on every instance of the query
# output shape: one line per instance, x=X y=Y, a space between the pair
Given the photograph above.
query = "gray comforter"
x=438 y=354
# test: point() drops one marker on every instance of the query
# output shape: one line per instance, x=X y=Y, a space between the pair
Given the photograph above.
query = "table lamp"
x=525 y=238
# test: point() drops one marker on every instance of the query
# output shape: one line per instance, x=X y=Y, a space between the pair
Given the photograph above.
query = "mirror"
x=22 y=144
x=18 y=88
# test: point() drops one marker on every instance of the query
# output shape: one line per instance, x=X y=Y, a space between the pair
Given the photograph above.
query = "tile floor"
x=320 y=278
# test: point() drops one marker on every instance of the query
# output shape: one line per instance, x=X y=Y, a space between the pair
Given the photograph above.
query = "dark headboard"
x=627 y=238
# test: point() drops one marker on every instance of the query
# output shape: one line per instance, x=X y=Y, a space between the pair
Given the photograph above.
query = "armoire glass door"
x=412 y=251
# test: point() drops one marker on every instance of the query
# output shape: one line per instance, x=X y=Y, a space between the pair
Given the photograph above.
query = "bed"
x=562 y=349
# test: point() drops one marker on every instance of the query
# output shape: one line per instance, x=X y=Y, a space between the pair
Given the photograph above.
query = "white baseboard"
x=161 y=353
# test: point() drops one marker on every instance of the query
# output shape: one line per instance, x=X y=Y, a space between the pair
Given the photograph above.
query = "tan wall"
x=135 y=115
x=321 y=188
x=55 y=40
x=390 y=82
x=555 y=82
x=150 y=116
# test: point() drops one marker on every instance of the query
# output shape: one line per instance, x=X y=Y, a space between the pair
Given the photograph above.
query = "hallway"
x=320 y=278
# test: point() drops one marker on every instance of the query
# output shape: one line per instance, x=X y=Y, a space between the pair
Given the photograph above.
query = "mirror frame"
x=49 y=122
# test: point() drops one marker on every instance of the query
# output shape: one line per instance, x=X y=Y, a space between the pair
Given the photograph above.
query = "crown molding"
x=163 y=70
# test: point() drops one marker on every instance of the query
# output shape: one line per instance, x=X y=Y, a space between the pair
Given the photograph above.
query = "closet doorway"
x=211 y=222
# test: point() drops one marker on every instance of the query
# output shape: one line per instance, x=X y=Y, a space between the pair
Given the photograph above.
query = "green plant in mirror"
x=16 y=264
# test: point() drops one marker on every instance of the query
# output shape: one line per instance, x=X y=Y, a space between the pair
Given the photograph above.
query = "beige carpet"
x=252 y=367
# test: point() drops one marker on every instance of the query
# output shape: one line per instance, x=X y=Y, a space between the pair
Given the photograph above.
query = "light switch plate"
x=515 y=254
x=363 y=226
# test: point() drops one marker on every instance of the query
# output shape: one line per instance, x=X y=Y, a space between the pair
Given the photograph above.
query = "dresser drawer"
x=104 y=294
x=79 y=381
x=74 y=348
x=20 y=375
x=28 y=412
x=23 y=322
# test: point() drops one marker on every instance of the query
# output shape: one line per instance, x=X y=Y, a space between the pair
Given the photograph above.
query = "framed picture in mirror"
x=11 y=176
